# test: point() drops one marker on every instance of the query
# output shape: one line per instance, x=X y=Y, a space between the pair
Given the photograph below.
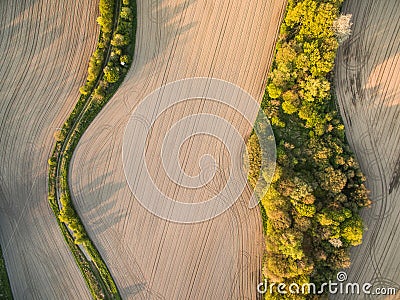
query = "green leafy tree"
x=274 y=91
x=126 y=13
x=111 y=74
x=351 y=230
x=119 y=40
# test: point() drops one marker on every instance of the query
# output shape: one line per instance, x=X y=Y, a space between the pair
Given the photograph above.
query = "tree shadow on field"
x=38 y=46
x=102 y=213
x=367 y=75
x=141 y=291
x=99 y=202
x=12 y=12
x=33 y=26
x=159 y=28
x=368 y=90
x=20 y=182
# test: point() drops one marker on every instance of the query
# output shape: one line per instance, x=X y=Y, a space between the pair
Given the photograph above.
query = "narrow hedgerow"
x=108 y=66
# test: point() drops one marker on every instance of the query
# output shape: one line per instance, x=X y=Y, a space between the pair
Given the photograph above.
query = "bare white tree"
x=342 y=27
x=336 y=243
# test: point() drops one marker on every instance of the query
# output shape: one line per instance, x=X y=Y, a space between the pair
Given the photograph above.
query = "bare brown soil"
x=368 y=88
x=148 y=257
x=45 y=47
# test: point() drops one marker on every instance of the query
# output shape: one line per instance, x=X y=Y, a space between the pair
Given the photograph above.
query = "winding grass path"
x=93 y=268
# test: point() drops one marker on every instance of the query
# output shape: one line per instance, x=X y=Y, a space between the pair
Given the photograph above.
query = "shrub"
x=273 y=91
x=342 y=27
x=59 y=135
x=124 y=59
x=119 y=40
x=126 y=13
x=111 y=74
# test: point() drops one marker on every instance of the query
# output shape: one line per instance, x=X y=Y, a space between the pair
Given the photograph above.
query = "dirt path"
x=368 y=87
x=150 y=258
x=46 y=46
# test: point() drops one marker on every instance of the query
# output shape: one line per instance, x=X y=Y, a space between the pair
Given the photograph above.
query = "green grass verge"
x=5 y=289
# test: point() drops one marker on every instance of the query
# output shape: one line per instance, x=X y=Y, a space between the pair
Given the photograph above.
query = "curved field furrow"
x=148 y=257
x=45 y=48
x=368 y=90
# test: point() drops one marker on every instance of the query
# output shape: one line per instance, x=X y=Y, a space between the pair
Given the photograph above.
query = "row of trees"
x=120 y=52
x=119 y=45
x=99 y=87
x=312 y=206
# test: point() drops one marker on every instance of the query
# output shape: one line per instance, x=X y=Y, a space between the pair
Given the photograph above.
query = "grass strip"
x=5 y=288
